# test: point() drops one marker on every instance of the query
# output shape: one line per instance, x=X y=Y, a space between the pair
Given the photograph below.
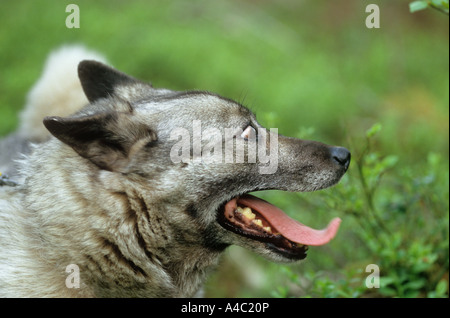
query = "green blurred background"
x=312 y=69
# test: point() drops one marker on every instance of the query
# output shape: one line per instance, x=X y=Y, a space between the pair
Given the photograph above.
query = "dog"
x=98 y=201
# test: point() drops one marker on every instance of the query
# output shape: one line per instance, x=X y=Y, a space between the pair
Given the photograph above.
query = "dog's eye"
x=249 y=133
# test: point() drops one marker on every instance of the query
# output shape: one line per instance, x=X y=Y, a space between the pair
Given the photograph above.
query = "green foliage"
x=440 y=5
x=402 y=222
x=320 y=284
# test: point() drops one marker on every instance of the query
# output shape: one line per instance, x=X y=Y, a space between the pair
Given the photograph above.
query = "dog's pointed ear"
x=99 y=80
x=109 y=140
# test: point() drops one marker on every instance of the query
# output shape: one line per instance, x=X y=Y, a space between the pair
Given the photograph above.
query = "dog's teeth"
x=239 y=209
x=247 y=212
x=267 y=229
x=302 y=245
x=249 y=215
x=258 y=222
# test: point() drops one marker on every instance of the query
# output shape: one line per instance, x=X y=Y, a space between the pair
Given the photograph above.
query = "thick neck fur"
x=124 y=237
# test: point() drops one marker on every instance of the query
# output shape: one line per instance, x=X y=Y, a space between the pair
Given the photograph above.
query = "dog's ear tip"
x=51 y=119
x=99 y=80
x=53 y=123
x=86 y=62
x=84 y=65
x=88 y=69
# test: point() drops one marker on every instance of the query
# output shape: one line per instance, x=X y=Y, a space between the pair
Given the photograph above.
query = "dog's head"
x=196 y=156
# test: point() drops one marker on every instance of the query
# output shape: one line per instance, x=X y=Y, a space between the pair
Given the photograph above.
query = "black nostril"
x=341 y=156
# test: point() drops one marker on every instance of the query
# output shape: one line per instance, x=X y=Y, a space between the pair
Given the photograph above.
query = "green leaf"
x=441 y=288
x=415 y=284
x=417 y=6
x=372 y=131
x=439 y=2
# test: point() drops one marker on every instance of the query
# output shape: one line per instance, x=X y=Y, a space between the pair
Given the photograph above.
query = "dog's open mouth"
x=257 y=219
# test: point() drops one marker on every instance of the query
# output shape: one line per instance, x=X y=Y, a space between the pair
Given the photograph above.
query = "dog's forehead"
x=195 y=105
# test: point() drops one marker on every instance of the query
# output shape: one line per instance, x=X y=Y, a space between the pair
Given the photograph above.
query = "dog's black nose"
x=341 y=156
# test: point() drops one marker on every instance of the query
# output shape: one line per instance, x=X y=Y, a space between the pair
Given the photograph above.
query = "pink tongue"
x=290 y=228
